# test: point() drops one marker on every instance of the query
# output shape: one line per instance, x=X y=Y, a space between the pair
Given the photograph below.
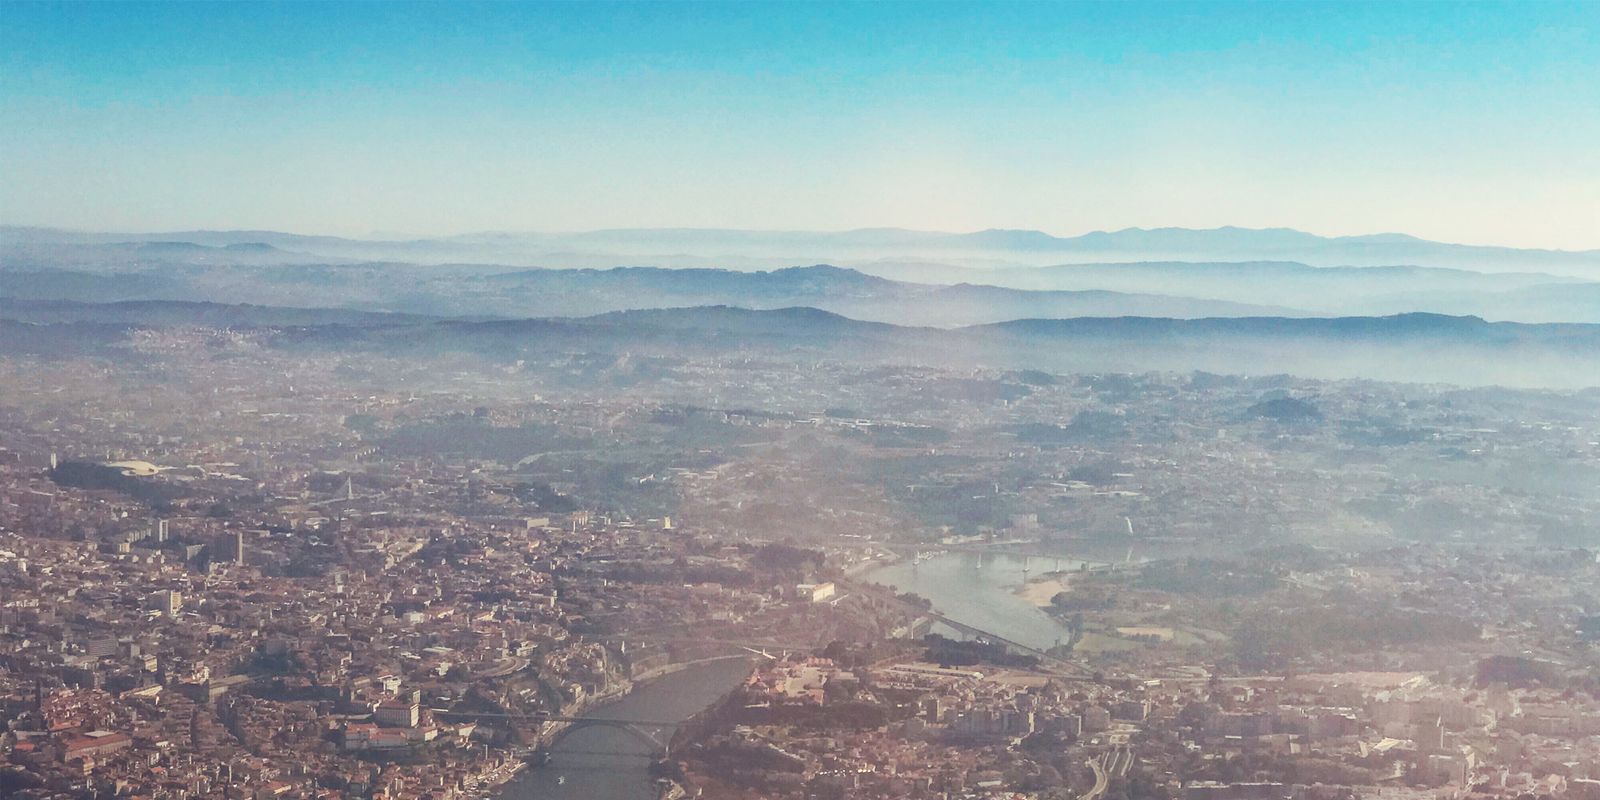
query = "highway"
x=684 y=638
x=1114 y=763
x=618 y=723
x=1100 y=779
x=1020 y=548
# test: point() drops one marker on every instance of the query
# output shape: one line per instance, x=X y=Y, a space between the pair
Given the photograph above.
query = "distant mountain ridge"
x=1406 y=348
x=934 y=288
x=1140 y=244
x=747 y=249
x=165 y=313
x=474 y=292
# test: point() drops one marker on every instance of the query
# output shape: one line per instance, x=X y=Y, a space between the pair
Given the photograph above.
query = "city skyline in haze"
x=1470 y=123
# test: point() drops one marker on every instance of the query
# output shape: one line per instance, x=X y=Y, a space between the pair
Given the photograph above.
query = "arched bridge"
x=657 y=734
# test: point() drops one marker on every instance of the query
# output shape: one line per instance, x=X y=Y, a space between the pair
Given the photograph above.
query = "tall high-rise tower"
x=236 y=547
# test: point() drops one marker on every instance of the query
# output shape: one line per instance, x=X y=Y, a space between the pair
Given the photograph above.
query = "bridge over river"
x=657 y=734
x=1027 y=550
x=1062 y=667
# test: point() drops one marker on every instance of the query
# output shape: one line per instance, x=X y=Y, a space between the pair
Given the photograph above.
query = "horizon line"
x=379 y=236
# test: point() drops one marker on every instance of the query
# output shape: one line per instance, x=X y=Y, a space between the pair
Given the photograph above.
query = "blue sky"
x=1463 y=122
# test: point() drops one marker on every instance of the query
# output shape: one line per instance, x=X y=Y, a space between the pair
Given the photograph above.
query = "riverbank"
x=981 y=590
x=664 y=670
x=611 y=762
x=860 y=568
x=1041 y=590
x=594 y=707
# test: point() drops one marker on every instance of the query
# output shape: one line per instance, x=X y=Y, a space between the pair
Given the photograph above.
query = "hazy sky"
x=1473 y=123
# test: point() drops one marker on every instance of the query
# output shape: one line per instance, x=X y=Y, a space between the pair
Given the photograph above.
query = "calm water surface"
x=980 y=590
x=602 y=763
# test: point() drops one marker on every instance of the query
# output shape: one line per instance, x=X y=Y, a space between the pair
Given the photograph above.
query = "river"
x=980 y=590
x=603 y=763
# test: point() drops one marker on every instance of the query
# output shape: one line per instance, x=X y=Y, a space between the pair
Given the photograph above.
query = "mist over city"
x=800 y=401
